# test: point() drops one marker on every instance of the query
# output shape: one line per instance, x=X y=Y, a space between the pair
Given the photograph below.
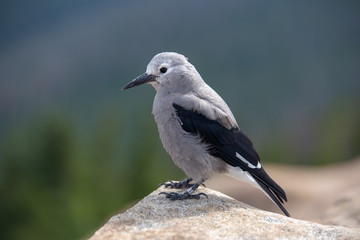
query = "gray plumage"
x=198 y=129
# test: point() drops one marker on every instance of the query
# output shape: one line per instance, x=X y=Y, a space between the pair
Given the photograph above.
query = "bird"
x=199 y=131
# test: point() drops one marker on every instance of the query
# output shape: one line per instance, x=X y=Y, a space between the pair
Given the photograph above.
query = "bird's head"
x=166 y=70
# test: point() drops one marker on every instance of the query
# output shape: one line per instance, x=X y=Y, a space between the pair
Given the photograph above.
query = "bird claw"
x=181 y=196
x=177 y=185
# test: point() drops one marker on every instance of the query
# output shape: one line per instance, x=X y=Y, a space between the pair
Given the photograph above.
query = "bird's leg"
x=183 y=184
x=185 y=195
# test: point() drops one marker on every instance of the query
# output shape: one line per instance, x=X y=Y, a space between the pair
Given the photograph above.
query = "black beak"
x=144 y=78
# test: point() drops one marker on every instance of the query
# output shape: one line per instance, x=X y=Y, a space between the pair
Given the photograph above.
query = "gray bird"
x=199 y=131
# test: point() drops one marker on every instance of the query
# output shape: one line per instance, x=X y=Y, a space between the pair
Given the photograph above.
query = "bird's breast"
x=186 y=150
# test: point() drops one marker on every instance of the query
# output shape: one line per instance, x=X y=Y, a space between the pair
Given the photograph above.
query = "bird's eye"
x=163 y=70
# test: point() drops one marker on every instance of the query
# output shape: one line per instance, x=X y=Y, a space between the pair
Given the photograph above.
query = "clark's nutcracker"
x=199 y=131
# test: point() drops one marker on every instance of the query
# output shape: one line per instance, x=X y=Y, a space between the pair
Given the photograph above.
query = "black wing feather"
x=224 y=143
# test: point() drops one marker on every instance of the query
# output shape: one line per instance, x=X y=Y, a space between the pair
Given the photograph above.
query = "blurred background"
x=75 y=150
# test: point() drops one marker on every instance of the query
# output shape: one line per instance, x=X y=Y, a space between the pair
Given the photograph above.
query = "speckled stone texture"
x=218 y=217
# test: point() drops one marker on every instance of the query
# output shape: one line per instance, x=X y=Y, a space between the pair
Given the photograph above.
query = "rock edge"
x=218 y=217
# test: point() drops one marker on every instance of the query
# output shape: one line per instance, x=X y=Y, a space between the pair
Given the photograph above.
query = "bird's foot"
x=178 y=185
x=181 y=196
x=186 y=195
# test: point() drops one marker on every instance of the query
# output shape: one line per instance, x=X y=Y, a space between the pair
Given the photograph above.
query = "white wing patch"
x=247 y=162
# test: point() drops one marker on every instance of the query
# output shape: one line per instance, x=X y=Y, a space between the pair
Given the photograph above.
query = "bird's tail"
x=261 y=180
x=272 y=190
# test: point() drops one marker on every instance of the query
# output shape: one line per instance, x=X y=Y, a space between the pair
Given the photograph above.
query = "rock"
x=218 y=217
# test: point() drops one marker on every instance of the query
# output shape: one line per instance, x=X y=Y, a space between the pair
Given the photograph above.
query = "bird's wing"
x=208 y=103
x=232 y=146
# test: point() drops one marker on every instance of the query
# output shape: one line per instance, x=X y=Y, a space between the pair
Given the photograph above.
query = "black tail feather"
x=261 y=175
x=274 y=196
